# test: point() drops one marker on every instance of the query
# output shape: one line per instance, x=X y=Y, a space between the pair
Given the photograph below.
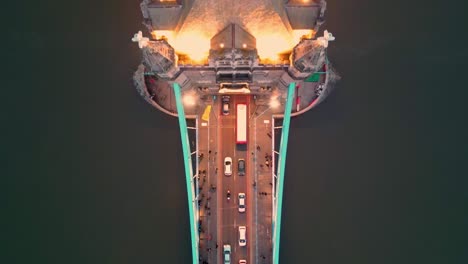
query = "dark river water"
x=93 y=174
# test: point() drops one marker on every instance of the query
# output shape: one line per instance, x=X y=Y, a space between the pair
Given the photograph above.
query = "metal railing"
x=192 y=200
x=276 y=225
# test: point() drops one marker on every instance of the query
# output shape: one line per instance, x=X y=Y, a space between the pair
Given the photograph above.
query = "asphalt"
x=219 y=217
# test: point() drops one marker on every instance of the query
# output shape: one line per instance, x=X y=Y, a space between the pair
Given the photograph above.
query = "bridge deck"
x=219 y=217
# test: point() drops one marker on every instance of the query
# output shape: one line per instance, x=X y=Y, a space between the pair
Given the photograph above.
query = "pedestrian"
x=258 y=147
x=209 y=151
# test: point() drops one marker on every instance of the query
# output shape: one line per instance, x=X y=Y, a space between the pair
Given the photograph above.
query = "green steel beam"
x=281 y=169
x=188 y=172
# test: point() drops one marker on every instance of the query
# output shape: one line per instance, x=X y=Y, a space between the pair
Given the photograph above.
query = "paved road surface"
x=217 y=140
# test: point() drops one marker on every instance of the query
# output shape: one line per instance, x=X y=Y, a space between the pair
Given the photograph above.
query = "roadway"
x=220 y=217
x=229 y=215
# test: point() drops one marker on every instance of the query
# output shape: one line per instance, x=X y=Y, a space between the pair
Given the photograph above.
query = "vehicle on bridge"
x=241 y=202
x=228 y=166
x=227 y=254
x=241 y=126
x=242 y=239
x=241 y=167
x=242 y=261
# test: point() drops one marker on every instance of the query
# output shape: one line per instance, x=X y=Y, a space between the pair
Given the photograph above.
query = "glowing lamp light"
x=221 y=45
x=189 y=99
x=274 y=102
x=194 y=44
x=298 y=34
x=167 y=35
x=244 y=45
x=269 y=46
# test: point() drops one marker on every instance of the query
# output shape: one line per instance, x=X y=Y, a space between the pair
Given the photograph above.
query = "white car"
x=242 y=261
x=227 y=166
x=242 y=239
x=227 y=254
x=241 y=202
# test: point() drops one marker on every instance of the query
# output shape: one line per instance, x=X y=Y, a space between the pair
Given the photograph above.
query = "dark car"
x=241 y=167
x=225 y=105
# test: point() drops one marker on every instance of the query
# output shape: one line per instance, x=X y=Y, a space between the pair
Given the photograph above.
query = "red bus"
x=241 y=127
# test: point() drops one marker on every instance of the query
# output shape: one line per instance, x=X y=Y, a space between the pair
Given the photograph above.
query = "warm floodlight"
x=189 y=99
x=274 y=102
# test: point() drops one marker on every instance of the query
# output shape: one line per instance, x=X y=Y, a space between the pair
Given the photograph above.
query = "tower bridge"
x=235 y=103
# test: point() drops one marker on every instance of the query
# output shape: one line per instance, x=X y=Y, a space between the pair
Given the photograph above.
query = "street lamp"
x=274 y=102
x=189 y=99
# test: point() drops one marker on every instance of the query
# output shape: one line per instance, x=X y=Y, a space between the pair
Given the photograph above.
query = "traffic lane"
x=241 y=150
x=228 y=137
x=233 y=209
x=247 y=185
x=251 y=190
x=219 y=177
x=236 y=187
x=232 y=219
